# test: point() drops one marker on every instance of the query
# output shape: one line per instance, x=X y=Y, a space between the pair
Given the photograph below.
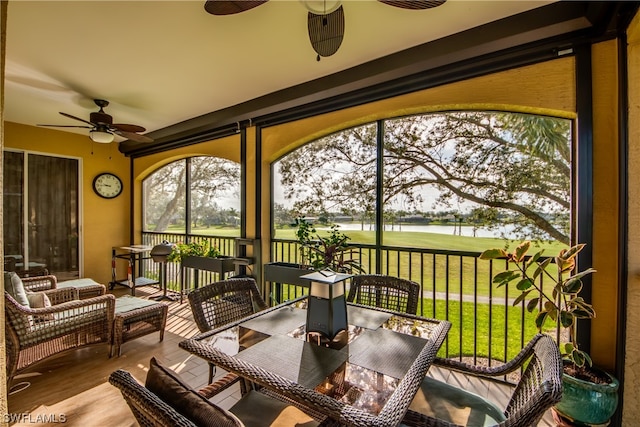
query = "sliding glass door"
x=41 y=214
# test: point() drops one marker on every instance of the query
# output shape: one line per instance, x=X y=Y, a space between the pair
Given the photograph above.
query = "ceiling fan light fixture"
x=103 y=137
x=321 y=7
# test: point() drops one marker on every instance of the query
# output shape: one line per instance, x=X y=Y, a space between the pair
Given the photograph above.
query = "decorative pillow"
x=14 y=287
x=40 y=300
x=168 y=386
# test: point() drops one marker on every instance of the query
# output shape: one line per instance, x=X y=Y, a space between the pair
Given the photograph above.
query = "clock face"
x=107 y=185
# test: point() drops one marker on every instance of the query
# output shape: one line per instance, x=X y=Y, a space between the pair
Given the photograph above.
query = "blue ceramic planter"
x=588 y=403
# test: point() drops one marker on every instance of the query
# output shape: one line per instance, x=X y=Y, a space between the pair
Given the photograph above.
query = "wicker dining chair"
x=222 y=302
x=382 y=291
x=539 y=388
x=165 y=400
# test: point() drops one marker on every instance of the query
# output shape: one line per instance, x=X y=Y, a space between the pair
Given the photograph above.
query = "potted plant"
x=201 y=256
x=590 y=394
x=322 y=252
x=316 y=253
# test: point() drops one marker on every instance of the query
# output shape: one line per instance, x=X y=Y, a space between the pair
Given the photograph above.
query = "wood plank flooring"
x=75 y=385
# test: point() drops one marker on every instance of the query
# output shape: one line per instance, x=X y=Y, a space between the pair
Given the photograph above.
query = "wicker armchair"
x=33 y=334
x=539 y=388
x=382 y=291
x=219 y=303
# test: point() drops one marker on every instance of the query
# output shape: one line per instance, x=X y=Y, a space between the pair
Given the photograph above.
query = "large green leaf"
x=540 y=318
x=520 y=298
x=505 y=277
x=521 y=251
x=541 y=267
x=566 y=318
x=532 y=304
x=493 y=254
x=524 y=284
x=572 y=286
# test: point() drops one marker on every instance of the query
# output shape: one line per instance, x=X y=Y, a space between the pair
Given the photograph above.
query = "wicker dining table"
x=367 y=376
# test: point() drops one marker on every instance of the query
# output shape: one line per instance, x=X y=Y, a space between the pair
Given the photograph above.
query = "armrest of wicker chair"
x=494 y=371
x=39 y=283
x=539 y=387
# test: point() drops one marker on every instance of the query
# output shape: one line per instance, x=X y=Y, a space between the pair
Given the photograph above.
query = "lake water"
x=467 y=230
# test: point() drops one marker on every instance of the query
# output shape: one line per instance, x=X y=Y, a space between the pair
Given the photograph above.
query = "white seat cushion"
x=77 y=283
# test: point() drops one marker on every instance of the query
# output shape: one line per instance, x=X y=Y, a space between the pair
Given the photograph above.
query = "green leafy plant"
x=563 y=305
x=183 y=250
x=331 y=251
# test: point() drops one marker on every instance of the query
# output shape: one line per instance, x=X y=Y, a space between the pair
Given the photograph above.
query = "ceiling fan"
x=325 y=20
x=103 y=129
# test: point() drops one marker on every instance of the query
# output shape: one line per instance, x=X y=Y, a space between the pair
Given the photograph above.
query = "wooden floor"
x=74 y=385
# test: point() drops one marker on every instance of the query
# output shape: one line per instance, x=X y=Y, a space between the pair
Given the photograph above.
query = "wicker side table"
x=136 y=317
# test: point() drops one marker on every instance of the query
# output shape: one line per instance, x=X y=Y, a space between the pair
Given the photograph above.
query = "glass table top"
x=361 y=367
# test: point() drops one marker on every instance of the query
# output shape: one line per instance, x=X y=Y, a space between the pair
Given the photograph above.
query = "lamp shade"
x=103 y=137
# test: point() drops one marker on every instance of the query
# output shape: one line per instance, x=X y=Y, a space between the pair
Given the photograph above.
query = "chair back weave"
x=219 y=303
x=377 y=290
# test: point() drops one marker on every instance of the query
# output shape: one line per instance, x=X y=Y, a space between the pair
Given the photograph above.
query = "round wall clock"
x=107 y=185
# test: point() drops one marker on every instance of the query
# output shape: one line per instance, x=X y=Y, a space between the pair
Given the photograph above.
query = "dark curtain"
x=53 y=212
x=13 y=175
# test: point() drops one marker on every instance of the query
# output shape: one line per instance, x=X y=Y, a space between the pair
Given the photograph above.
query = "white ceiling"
x=163 y=62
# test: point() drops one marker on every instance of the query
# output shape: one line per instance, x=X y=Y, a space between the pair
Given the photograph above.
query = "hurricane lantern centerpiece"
x=327 y=307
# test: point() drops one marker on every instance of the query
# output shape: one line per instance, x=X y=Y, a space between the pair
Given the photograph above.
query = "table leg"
x=131 y=278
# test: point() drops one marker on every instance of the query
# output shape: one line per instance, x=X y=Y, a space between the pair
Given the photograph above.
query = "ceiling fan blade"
x=413 y=4
x=133 y=136
x=68 y=126
x=127 y=128
x=326 y=31
x=77 y=118
x=226 y=7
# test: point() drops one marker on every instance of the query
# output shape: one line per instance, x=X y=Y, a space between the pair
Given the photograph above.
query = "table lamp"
x=327 y=308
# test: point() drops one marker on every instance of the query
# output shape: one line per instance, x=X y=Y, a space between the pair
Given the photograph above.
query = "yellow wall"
x=631 y=411
x=105 y=221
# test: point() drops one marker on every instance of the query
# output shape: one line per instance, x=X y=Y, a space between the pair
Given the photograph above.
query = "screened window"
x=329 y=181
x=198 y=195
x=455 y=174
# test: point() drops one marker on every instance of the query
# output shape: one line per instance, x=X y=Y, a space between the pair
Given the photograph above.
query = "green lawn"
x=507 y=328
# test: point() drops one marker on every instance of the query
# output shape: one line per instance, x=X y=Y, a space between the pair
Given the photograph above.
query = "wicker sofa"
x=34 y=333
